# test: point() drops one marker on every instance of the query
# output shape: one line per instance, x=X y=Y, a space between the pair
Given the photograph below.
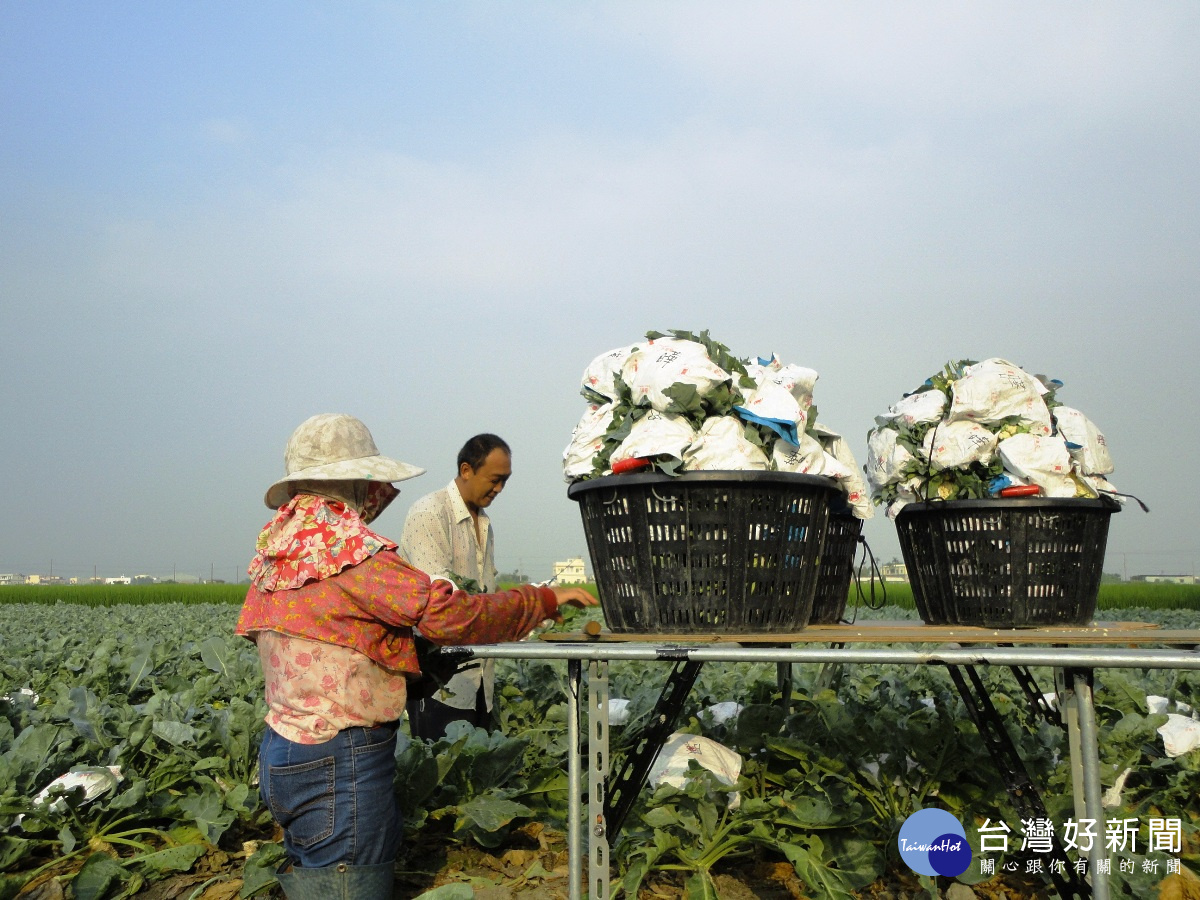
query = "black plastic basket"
x=837 y=566
x=730 y=552
x=1005 y=563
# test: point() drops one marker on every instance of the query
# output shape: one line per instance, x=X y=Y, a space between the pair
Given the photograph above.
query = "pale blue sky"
x=220 y=218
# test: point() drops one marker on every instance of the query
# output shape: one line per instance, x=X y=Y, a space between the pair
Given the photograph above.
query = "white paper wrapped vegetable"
x=984 y=429
x=682 y=402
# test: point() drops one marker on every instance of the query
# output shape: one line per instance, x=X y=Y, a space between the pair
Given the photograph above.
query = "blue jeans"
x=334 y=800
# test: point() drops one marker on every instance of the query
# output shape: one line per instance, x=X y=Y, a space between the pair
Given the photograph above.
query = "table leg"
x=783 y=680
x=574 y=788
x=598 y=768
x=1089 y=751
x=1065 y=688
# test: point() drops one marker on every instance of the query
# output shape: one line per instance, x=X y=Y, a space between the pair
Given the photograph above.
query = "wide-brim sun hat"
x=334 y=447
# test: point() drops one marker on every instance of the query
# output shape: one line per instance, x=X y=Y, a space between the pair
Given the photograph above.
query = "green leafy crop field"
x=160 y=708
x=1128 y=595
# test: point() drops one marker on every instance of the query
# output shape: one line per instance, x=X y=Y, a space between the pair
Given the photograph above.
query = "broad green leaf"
x=208 y=811
x=813 y=869
x=98 y=874
x=449 y=892
x=661 y=817
x=632 y=880
x=494 y=766
x=259 y=872
x=173 y=859
x=13 y=850
x=700 y=887
x=139 y=665
x=88 y=715
x=492 y=813
x=33 y=749
x=1119 y=692
x=11 y=885
x=859 y=861
x=808 y=812
x=235 y=799
x=214 y=653
x=175 y=733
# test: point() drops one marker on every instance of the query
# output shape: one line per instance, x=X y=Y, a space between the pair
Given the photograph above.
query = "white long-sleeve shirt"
x=441 y=540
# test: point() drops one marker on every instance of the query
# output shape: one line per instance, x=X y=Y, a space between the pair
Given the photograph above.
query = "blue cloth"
x=782 y=427
x=335 y=800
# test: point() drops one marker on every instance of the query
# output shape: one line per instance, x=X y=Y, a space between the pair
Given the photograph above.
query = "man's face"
x=479 y=487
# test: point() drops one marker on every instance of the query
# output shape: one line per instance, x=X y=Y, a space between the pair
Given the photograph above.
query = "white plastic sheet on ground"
x=1180 y=734
x=1111 y=798
x=94 y=780
x=721 y=445
x=657 y=365
x=586 y=440
x=724 y=711
x=1157 y=704
x=670 y=766
x=618 y=711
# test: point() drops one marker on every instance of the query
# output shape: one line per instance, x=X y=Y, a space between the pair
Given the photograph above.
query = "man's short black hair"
x=475 y=451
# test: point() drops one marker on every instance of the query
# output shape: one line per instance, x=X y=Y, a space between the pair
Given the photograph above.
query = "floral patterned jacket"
x=321 y=574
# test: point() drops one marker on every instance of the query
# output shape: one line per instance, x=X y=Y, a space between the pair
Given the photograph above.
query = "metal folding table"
x=1074 y=653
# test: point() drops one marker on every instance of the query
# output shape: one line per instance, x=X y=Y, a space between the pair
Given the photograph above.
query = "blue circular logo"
x=933 y=842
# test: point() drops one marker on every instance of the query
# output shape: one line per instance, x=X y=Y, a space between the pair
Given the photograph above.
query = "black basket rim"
x=708 y=476
x=929 y=507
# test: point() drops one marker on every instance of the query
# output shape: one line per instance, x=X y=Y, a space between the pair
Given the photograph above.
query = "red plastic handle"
x=1021 y=490
x=630 y=465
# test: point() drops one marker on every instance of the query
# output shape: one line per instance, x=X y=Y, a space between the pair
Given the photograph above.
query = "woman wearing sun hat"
x=332 y=607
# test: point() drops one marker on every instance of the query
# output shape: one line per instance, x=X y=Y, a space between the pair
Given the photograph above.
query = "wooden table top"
x=909 y=632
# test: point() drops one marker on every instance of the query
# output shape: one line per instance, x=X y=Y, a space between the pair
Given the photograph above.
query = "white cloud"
x=938 y=57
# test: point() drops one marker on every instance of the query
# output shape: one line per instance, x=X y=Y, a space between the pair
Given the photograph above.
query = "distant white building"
x=120 y=579
x=570 y=571
x=1169 y=579
x=893 y=572
x=12 y=579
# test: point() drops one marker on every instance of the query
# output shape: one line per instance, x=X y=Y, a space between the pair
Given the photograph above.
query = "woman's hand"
x=573 y=596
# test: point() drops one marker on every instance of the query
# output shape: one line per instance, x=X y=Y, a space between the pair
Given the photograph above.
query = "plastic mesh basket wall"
x=836 y=569
x=732 y=552
x=1004 y=563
